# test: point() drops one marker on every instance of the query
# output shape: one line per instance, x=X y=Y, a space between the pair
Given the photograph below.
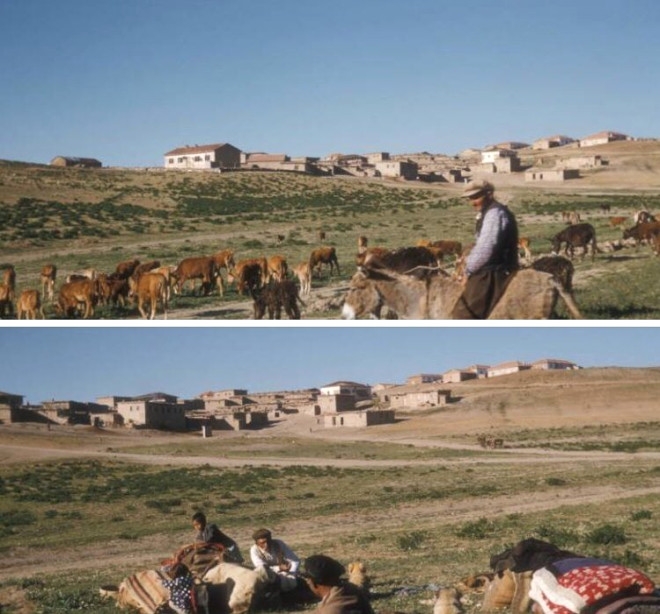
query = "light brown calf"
x=304 y=275
x=277 y=268
x=29 y=305
x=152 y=289
x=48 y=276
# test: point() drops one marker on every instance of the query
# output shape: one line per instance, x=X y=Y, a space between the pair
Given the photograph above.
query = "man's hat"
x=477 y=187
x=322 y=569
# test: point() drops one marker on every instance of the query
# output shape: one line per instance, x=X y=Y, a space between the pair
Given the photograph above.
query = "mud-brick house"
x=156 y=411
x=10 y=408
x=217 y=155
x=537 y=174
x=601 y=138
x=548 y=142
x=397 y=168
x=423 y=378
x=70 y=412
x=506 y=368
x=554 y=364
x=357 y=419
x=361 y=391
x=415 y=397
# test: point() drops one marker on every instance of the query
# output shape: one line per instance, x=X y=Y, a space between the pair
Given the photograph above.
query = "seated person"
x=211 y=534
x=323 y=576
x=275 y=555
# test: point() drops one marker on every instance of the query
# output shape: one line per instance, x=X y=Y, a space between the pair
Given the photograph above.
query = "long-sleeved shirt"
x=497 y=241
x=277 y=553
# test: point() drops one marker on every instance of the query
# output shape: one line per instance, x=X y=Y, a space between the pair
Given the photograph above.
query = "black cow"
x=276 y=296
x=559 y=267
x=576 y=235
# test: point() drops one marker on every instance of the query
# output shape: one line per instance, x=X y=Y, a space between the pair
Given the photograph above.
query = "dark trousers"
x=481 y=293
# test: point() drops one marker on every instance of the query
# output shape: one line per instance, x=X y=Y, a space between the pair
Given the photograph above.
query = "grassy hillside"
x=81 y=218
x=422 y=506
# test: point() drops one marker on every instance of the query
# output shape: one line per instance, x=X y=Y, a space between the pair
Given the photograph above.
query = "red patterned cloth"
x=571 y=585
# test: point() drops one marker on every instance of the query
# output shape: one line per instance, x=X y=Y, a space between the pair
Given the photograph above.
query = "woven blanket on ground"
x=581 y=585
x=143 y=590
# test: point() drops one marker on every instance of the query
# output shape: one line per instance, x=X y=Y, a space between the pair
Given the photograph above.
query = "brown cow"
x=48 y=276
x=579 y=235
x=125 y=269
x=278 y=268
x=113 y=289
x=84 y=274
x=74 y=294
x=250 y=274
x=642 y=232
x=417 y=261
x=619 y=220
x=145 y=267
x=321 y=256
x=196 y=267
x=6 y=304
x=152 y=288
x=29 y=305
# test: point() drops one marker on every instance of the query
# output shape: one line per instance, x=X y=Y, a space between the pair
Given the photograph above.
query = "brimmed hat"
x=323 y=569
x=476 y=187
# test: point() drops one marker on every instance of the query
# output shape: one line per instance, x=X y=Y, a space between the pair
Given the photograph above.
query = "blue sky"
x=127 y=80
x=83 y=363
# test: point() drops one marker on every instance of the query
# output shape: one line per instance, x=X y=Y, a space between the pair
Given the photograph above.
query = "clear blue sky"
x=127 y=80
x=83 y=363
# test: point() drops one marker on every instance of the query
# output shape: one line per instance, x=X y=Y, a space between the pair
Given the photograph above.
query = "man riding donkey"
x=493 y=260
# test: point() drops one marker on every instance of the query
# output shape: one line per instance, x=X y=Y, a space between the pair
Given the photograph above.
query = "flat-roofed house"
x=424 y=378
x=10 y=407
x=397 y=168
x=548 y=142
x=601 y=138
x=537 y=174
x=506 y=368
x=152 y=413
x=361 y=391
x=554 y=364
x=216 y=155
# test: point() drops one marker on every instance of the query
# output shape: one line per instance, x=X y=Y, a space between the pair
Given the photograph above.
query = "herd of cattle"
x=267 y=280
x=151 y=285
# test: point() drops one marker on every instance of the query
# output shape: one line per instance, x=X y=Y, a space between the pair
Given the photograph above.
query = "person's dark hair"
x=199 y=517
x=322 y=569
x=262 y=534
x=178 y=570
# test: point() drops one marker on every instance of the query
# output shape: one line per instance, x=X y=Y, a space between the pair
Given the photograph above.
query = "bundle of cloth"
x=558 y=581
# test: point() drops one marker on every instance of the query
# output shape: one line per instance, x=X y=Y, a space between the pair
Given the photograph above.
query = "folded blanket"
x=572 y=586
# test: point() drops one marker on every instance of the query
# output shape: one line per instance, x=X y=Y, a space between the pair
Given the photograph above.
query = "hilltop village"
x=505 y=157
x=338 y=404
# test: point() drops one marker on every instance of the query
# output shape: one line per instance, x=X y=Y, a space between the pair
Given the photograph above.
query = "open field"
x=419 y=500
x=79 y=219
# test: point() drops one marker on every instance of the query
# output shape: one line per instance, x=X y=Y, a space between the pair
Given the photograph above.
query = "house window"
x=198 y=158
x=171 y=160
x=207 y=157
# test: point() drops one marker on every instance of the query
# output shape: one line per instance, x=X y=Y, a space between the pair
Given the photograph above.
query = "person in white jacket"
x=277 y=557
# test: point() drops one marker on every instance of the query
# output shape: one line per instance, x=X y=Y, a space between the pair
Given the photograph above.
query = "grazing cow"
x=196 y=267
x=276 y=296
x=84 y=274
x=113 y=289
x=277 y=268
x=281 y=238
x=48 y=276
x=618 y=220
x=152 y=289
x=79 y=293
x=29 y=305
x=605 y=208
x=321 y=256
x=363 y=242
x=321 y=235
x=125 y=269
x=304 y=275
x=441 y=248
x=224 y=259
x=643 y=217
x=578 y=235
x=167 y=271
x=145 y=267
x=559 y=267
x=642 y=232
x=249 y=274
x=523 y=245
